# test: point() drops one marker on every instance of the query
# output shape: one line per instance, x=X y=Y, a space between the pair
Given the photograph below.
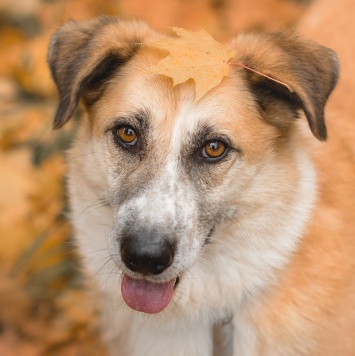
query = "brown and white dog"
x=190 y=213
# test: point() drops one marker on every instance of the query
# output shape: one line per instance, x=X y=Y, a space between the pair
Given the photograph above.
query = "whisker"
x=97 y=204
x=109 y=275
x=87 y=253
x=83 y=155
x=110 y=259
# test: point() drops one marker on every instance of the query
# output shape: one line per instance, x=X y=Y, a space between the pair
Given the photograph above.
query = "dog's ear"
x=83 y=55
x=309 y=69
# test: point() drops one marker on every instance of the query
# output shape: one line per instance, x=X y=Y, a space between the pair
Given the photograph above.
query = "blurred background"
x=44 y=306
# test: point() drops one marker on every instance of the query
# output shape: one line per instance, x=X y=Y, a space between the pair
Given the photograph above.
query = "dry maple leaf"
x=195 y=55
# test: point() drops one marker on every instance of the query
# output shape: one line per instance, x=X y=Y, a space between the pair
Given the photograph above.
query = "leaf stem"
x=264 y=75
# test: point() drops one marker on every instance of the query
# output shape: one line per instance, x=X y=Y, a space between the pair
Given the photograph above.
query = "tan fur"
x=317 y=290
x=281 y=264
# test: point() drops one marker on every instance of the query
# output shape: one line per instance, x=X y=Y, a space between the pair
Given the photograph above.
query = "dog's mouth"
x=146 y=296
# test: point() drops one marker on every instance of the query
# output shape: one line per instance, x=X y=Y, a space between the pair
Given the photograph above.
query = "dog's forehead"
x=172 y=112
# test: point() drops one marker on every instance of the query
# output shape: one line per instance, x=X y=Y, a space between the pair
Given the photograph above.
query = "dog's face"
x=211 y=196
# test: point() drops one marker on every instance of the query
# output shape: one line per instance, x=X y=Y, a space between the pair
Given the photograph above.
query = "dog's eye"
x=126 y=135
x=214 y=150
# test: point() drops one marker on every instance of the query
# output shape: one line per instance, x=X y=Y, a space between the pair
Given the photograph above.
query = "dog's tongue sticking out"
x=145 y=296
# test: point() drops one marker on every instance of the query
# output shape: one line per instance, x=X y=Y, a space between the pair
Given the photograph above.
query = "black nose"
x=147 y=253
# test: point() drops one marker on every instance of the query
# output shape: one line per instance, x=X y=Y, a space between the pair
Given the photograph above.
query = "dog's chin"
x=145 y=296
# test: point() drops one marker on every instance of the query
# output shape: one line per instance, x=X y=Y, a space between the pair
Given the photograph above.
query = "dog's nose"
x=146 y=255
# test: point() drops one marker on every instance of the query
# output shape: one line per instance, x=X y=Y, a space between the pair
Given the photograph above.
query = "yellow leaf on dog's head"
x=195 y=55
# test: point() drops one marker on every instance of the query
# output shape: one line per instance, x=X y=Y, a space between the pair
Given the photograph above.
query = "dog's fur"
x=263 y=238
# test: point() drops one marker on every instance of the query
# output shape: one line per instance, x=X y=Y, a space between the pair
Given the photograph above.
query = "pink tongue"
x=146 y=296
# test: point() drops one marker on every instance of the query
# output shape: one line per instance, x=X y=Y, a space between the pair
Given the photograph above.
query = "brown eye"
x=214 y=149
x=126 y=135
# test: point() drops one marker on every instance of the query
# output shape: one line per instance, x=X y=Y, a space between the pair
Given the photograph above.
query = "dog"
x=230 y=213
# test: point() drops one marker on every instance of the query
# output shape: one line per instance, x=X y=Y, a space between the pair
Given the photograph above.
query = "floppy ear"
x=83 y=55
x=311 y=70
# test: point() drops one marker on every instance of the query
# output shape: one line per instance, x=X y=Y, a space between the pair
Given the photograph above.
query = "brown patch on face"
x=131 y=91
x=238 y=117
x=130 y=96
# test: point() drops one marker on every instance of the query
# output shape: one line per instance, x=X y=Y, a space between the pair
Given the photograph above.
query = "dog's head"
x=213 y=194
